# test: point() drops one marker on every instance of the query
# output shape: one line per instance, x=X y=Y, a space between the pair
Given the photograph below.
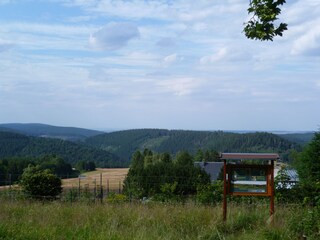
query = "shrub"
x=306 y=223
x=116 y=198
x=40 y=183
x=210 y=193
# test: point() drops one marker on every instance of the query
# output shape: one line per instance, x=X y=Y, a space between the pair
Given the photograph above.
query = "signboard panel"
x=248 y=180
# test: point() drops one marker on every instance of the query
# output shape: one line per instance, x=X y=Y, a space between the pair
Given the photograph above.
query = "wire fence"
x=91 y=187
x=98 y=187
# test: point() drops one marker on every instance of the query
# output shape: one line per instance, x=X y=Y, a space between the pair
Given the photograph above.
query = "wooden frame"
x=265 y=183
x=229 y=179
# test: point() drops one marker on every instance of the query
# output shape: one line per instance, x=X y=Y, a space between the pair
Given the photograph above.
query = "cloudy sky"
x=175 y=64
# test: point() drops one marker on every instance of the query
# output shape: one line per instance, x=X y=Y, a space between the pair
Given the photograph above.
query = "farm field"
x=58 y=220
x=112 y=179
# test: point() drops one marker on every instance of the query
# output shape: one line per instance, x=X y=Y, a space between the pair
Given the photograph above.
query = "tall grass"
x=58 y=220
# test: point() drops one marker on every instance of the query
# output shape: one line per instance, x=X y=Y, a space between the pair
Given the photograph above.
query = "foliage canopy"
x=308 y=167
x=40 y=183
x=261 y=26
x=157 y=175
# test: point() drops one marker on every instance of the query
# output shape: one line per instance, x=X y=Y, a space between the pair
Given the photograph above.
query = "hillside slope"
x=44 y=130
x=124 y=143
x=301 y=138
x=14 y=144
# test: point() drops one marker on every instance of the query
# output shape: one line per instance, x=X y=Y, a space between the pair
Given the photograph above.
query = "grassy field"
x=29 y=219
x=57 y=220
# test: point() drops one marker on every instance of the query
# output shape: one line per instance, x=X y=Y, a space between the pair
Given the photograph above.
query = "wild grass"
x=59 y=220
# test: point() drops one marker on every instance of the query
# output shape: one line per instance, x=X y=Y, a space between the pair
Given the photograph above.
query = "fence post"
x=79 y=188
x=10 y=181
x=101 y=190
x=95 y=190
x=108 y=187
x=224 y=214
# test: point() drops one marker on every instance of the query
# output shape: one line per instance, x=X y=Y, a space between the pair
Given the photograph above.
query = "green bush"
x=210 y=193
x=306 y=223
x=40 y=183
x=116 y=198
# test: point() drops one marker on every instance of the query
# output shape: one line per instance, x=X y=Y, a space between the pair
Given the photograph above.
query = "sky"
x=173 y=64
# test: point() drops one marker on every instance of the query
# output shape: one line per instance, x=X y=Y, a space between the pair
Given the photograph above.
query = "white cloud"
x=166 y=43
x=3 y=2
x=170 y=58
x=219 y=55
x=179 y=86
x=113 y=36
x=4 y=46
x=189 y=55
x=44 y=28
x=80 y=19
x=309 y=42
x=300 y=12
x=125 y=9
x=137 y=59
x=45 y=36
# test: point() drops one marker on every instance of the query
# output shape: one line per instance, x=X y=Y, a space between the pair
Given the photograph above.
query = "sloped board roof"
x=212 y=168
x=257 y=156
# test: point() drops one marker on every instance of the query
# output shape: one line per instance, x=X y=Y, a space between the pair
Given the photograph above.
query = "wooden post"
x=272 y=189
x=108 y=188
x=79 y=187
x=101 y=190
x=224 y=190
x=95 y=189
x=10 y=181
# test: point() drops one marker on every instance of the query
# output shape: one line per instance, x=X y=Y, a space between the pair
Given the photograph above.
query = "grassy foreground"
x=57 y=220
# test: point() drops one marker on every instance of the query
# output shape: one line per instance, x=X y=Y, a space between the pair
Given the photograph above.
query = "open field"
x=112 y=179
x=57 y=220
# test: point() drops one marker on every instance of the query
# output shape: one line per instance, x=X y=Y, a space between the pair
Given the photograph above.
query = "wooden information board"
x=248 y=179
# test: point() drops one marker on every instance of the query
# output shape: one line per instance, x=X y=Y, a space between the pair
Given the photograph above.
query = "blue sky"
x=175 y=64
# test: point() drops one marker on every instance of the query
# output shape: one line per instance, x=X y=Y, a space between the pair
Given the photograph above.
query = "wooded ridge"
x=114 y=149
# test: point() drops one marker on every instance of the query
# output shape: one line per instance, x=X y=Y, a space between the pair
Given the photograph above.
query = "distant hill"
x=44 y=130
x=15 y=144
x=301 y=138
x=106 y=149
x=124 y=143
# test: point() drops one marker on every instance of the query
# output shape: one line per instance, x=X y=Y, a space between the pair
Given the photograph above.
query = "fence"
x=99 y=186
x=92 y=187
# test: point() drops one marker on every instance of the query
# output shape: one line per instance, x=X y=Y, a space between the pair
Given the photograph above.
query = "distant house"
x=292 y=174
x=212 y=168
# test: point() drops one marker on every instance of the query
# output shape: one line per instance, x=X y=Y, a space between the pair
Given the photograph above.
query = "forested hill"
x=301 y=138
x=124 y=143
x=44 y=130
x=14 y=144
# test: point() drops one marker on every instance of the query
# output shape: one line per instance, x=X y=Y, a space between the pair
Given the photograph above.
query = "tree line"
x=161 y=176
x=19 y=145
x=125 y=143
x=11 y=169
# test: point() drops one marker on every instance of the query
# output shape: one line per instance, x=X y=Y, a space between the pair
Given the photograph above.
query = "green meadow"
x=62 y=220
